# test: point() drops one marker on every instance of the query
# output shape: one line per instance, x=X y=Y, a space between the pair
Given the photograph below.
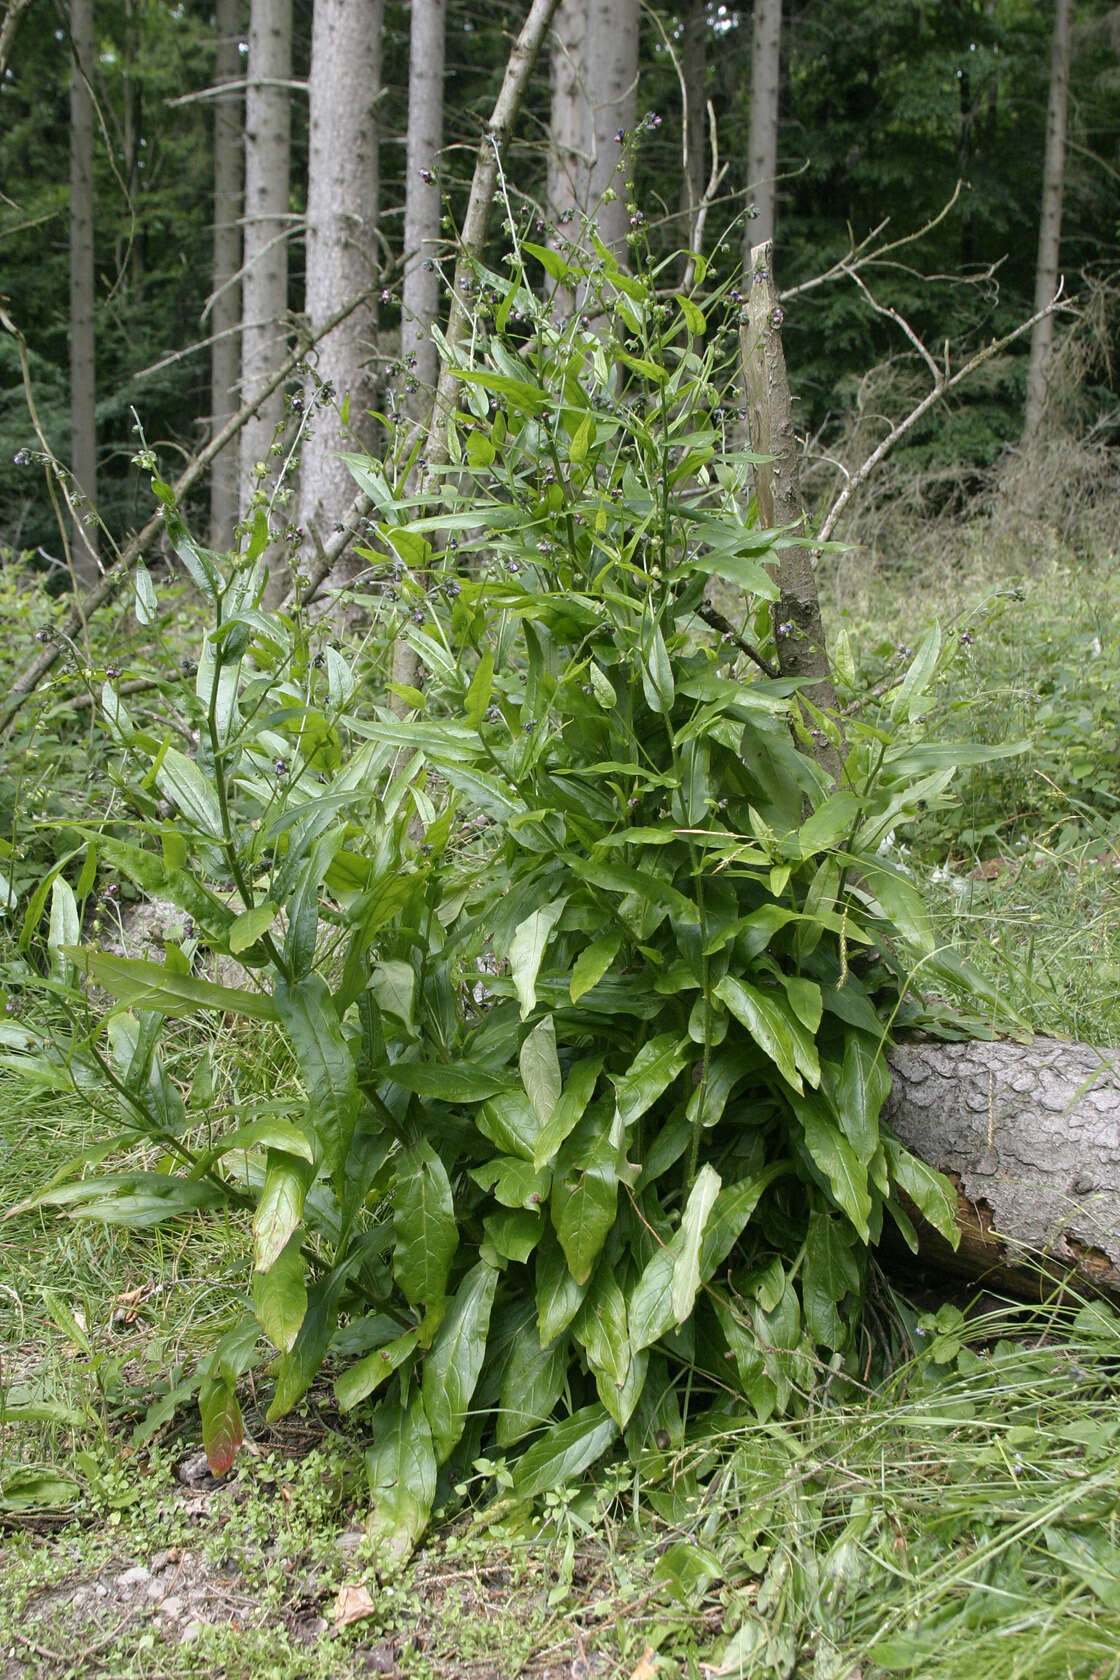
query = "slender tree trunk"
x=9 y=29
x=762 y=138
x=694 y=66
x=83 y=389
x=264 y=291
x=225 y=310
x=611 y=78
x=422 y=204
x=1050 y=221
x=342 y=259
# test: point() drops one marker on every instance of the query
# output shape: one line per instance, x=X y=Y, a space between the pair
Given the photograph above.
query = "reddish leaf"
x=222 y=1429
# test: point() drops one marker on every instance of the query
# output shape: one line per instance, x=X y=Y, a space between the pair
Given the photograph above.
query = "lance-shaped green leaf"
x=359 y=1381
x=857 y=1090
x=180 y=780
x=592 y=963
x=222 y=1429
x=583 y=1205
x=838 y=1161
x=279 y=1206
x=651 y=1072
x=528 y=947
x=426 y=1235
x=686 y=1242
x=298 y=1368
x=828 y=1273
x=250 y=924
x=533 y=1383
x=325 y=1065
x=401 y=1466
x=452 y=1367
x=558 y=1294
x=149 y=985
x=514 y=1182
x=564 y=1453
x=574 y=1098
x=600 y=1328
x=930 y=1191
x=539 y=1066
x=766 y=1021
x=280 y=1295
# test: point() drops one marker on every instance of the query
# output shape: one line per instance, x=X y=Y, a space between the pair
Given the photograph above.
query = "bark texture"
x=762 y=137
x=264 y=289
x=799 y=632
x=611 y=75
x=694 y=76
x=1050 y=220
x=570 y=143
x=83 y=391
x=225 y=306
x=342 y=258
x=1030 y=1136
x=423 y=203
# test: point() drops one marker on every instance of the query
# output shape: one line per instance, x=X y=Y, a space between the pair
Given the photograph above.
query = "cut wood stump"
x=1029 y=1134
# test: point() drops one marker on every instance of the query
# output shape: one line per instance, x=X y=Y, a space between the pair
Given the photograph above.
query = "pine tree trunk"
x=422 y=204
x=1030 y=1136
x=1050 y=221
x=225 y=310
x=83 y=388
x=610 y=73
x=342 y=256
x=762 y=138
x=570 y=139
x=264 y=291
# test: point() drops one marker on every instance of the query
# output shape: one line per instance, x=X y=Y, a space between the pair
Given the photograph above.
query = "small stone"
x=192 y=1631
x=172 y=1607
x=137 y=1576
x=160 y=1560
x=349 y=1541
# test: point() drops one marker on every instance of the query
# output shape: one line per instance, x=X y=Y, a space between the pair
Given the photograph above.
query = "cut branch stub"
x=799 y=632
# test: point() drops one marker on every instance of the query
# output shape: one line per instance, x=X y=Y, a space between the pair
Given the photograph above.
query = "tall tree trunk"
x=570 y=140
x=225 y=310
x=694 y=66
x=762 y=138
x=1050 y=221
x=422 y=203
x=264 y=290
x=611 y=78
x=342 y=260
x=83 y=389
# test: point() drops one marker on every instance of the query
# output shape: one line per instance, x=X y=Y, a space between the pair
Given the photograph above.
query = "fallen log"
x=1029 y=1134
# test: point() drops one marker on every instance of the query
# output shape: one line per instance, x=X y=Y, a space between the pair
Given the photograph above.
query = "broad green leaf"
x=65 y=925
x=510 y=1124
x=180 y=780
x=515 y=1183
x=694 y=318
x=424 y=1228
x=297 y=1369
x=564 y=1453
x=401 y=1467
x=657 y=674
x=279 y=1207
x=574 y=1098
x=651 y=1072
x=62 y=1315
x=687 y=1240
x=280 y=1295
x=527 y=949
x=478 y=694
x=222 y=1429
x=600 y=1328
x=540 y=1069
x=326 y=1067
x=834 y=1155
x=145 y=603
x=533 y=1383
x=830 y=823
x=828 y=1273
x=904 y=701
x=513 y=1233
x=340 y=679
x=583 y=1211
x=445 y=1081
x=452 y=1367
x=592 y=963
x=602 y=688
x=271 y=1133
x=551 y=261
x=393 y=984
x=358 y=1381
x=250 y=924
x=557 y=1292
x=149 y=985
x=766 y=1022
x=857 y=1091
x=25 y=1488
x=930 y=1191
x=902 y=905
x=645 y=886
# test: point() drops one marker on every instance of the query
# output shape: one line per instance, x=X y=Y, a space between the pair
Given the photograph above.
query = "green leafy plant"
x=583 y=969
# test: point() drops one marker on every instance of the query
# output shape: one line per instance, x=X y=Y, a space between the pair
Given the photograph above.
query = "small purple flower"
x=280 y=768
x=427 y=177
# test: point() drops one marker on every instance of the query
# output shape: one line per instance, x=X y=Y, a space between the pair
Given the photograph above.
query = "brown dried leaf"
x=352 y=1605
x=646 y=1669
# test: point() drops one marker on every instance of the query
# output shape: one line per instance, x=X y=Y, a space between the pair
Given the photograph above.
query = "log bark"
x=1029 y=1134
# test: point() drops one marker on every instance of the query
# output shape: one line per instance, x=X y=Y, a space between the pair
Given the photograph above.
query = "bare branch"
x=862 y=254
x=944 y=381
x=9 y=28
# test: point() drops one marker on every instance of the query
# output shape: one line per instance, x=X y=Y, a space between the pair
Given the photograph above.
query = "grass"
x=958 y=1517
